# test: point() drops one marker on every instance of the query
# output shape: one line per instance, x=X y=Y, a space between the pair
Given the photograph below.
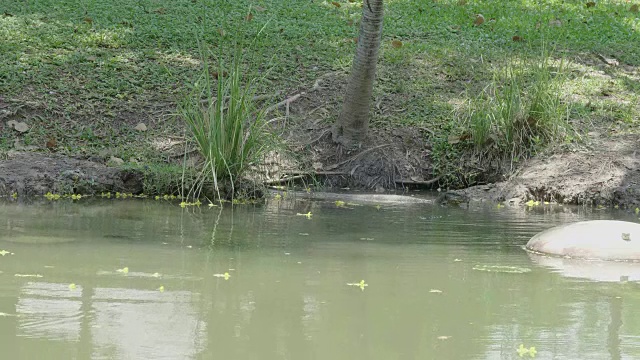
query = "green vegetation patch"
x=83 y=75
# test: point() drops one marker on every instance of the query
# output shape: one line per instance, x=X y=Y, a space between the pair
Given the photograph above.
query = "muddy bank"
x=606 y=173
x=28 y=174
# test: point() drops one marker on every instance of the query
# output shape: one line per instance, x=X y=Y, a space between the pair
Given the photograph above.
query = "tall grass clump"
x=520 y=110
x=227 y=126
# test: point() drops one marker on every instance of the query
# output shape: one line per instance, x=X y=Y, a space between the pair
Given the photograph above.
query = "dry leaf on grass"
x=479 y=20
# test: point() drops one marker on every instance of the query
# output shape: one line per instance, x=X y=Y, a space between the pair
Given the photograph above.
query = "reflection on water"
x=287 y=298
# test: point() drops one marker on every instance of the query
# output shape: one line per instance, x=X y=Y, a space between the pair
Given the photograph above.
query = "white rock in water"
x=597 y=239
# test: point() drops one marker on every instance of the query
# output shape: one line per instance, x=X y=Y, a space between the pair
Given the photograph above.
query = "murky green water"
x=287 y=295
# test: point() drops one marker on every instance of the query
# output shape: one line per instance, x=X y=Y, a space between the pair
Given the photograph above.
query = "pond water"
x=145 y=279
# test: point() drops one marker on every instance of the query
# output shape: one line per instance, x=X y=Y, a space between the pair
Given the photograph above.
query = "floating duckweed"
x=107 y=195
x=14 y=195
x=226 y=275
x=360 y=284
x=72 y=286
x=184 y=204
x=378 y=207
x=502 y=269
x=157 y=197
x=524 y=351
x=124 y=270
x=531 y=203
x=308 y=215
x=340 y=203
x=161 y=288
x=51 y=196
x=499 y=206
x=76 y=196
x=277 y=196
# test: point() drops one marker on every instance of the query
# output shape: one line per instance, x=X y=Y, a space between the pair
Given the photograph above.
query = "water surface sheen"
x=286 y=296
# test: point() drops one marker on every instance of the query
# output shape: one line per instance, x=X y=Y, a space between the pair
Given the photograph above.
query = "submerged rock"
x=597 y=239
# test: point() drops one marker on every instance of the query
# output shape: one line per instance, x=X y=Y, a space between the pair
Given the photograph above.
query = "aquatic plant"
x=524 y=351
x=360 y=284
x=307 y=215
x=532 y=203
x=228 y=127
x=225 y=276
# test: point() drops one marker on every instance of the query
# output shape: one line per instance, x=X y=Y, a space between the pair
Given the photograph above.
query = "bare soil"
x=29 y=173
x=605 y=173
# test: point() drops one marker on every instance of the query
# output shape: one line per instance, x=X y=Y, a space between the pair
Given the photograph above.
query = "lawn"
x=83 y=74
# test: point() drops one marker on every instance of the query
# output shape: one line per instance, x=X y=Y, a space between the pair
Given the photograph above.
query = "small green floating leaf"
x=161 y=288
x=360 y=284
x=502 y=269
x=524 y=351
x=124 y=270
x=72 y=286
x=226 y=276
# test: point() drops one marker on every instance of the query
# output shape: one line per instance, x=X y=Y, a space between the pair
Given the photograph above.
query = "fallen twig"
x=318 y=138
x=287 y=101
x=610 y=62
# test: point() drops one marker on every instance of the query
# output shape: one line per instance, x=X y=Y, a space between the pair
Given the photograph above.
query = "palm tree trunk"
x=353 y=123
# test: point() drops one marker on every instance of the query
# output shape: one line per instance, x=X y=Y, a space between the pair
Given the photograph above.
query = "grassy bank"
x=83 y=74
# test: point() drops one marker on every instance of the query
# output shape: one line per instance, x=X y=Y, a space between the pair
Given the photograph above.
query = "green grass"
x=520 y=110
x=92 y=70
x=228 y=128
